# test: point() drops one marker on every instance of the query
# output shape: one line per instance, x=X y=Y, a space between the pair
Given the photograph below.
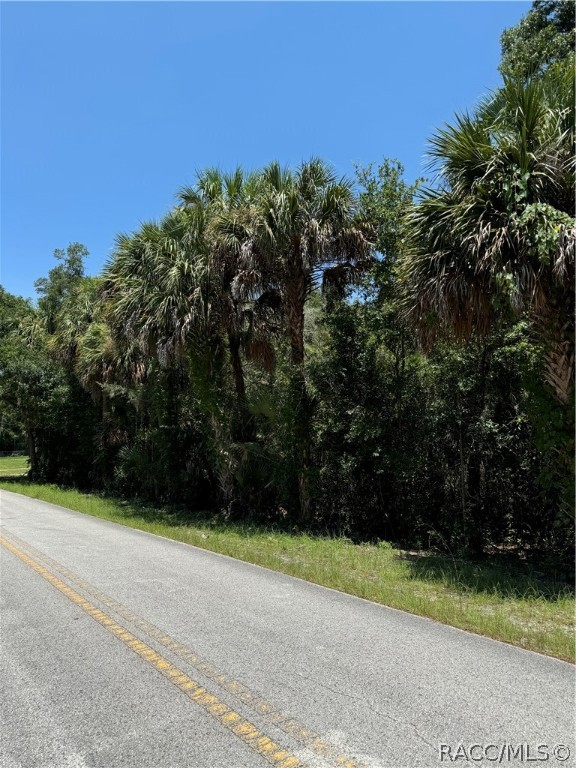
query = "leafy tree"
x=366 y=372
x=38 y=398
x=208 y=367
x=13 y=310
x=383 y=200
x=60 y=281
x=542 y=38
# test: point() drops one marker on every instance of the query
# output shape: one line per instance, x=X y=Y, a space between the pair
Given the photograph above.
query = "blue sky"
x=108 y=108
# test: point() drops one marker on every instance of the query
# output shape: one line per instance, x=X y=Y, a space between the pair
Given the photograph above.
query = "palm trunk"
x=560 y=363
x=556 y=328
x=237 y=370
x=475 y=489
x=295 y=314
x=295 y=299
x=302 y=418
x=243 y=429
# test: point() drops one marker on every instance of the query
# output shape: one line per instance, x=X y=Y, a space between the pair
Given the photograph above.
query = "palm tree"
x=497 y=235
x=159 y=288
x=170 y=288
x=218 y=195
x=298 y=231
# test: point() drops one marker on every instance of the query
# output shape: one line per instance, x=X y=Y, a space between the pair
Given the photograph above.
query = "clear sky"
x=108 y=108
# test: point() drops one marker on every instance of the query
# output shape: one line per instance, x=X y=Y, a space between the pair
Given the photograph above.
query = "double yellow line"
x=234 y=722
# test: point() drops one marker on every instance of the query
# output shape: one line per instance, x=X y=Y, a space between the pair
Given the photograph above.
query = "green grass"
x=13 y=466
x=507 y=602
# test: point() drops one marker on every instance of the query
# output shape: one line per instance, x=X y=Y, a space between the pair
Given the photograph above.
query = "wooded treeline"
x=361 y=356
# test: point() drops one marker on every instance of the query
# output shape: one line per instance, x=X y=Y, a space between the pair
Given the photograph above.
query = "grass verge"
x=507 y=602
x=13 y=466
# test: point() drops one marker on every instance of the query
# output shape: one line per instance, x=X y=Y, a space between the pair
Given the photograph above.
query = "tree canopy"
x=363 y=356
x=543 y=38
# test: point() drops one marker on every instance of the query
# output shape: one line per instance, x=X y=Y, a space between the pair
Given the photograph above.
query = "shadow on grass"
x=172 y=515
x=177 y=516
x=496 y=576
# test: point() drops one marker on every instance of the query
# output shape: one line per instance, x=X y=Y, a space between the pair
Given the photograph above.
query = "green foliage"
x=491 y=255
x=249 y=353
x=50 y=409
x=60 y=281
x=368 y=406
x=383 y=199
x=13 y=311
x=207 y=367
x=542 y=38
x=496 y=238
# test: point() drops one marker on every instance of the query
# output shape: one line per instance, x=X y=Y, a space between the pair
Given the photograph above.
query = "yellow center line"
x=243 y=729
x=257 y=703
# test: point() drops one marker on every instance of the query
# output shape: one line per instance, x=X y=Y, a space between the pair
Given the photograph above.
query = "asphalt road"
x=119 y=648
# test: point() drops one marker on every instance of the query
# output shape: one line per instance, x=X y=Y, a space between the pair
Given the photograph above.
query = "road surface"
x=124 y=649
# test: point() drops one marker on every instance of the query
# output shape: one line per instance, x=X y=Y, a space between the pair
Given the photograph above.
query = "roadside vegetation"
x=346 y=360
x=509 y=601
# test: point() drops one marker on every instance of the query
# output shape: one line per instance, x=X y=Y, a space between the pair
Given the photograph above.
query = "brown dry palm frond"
x=260 y=350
